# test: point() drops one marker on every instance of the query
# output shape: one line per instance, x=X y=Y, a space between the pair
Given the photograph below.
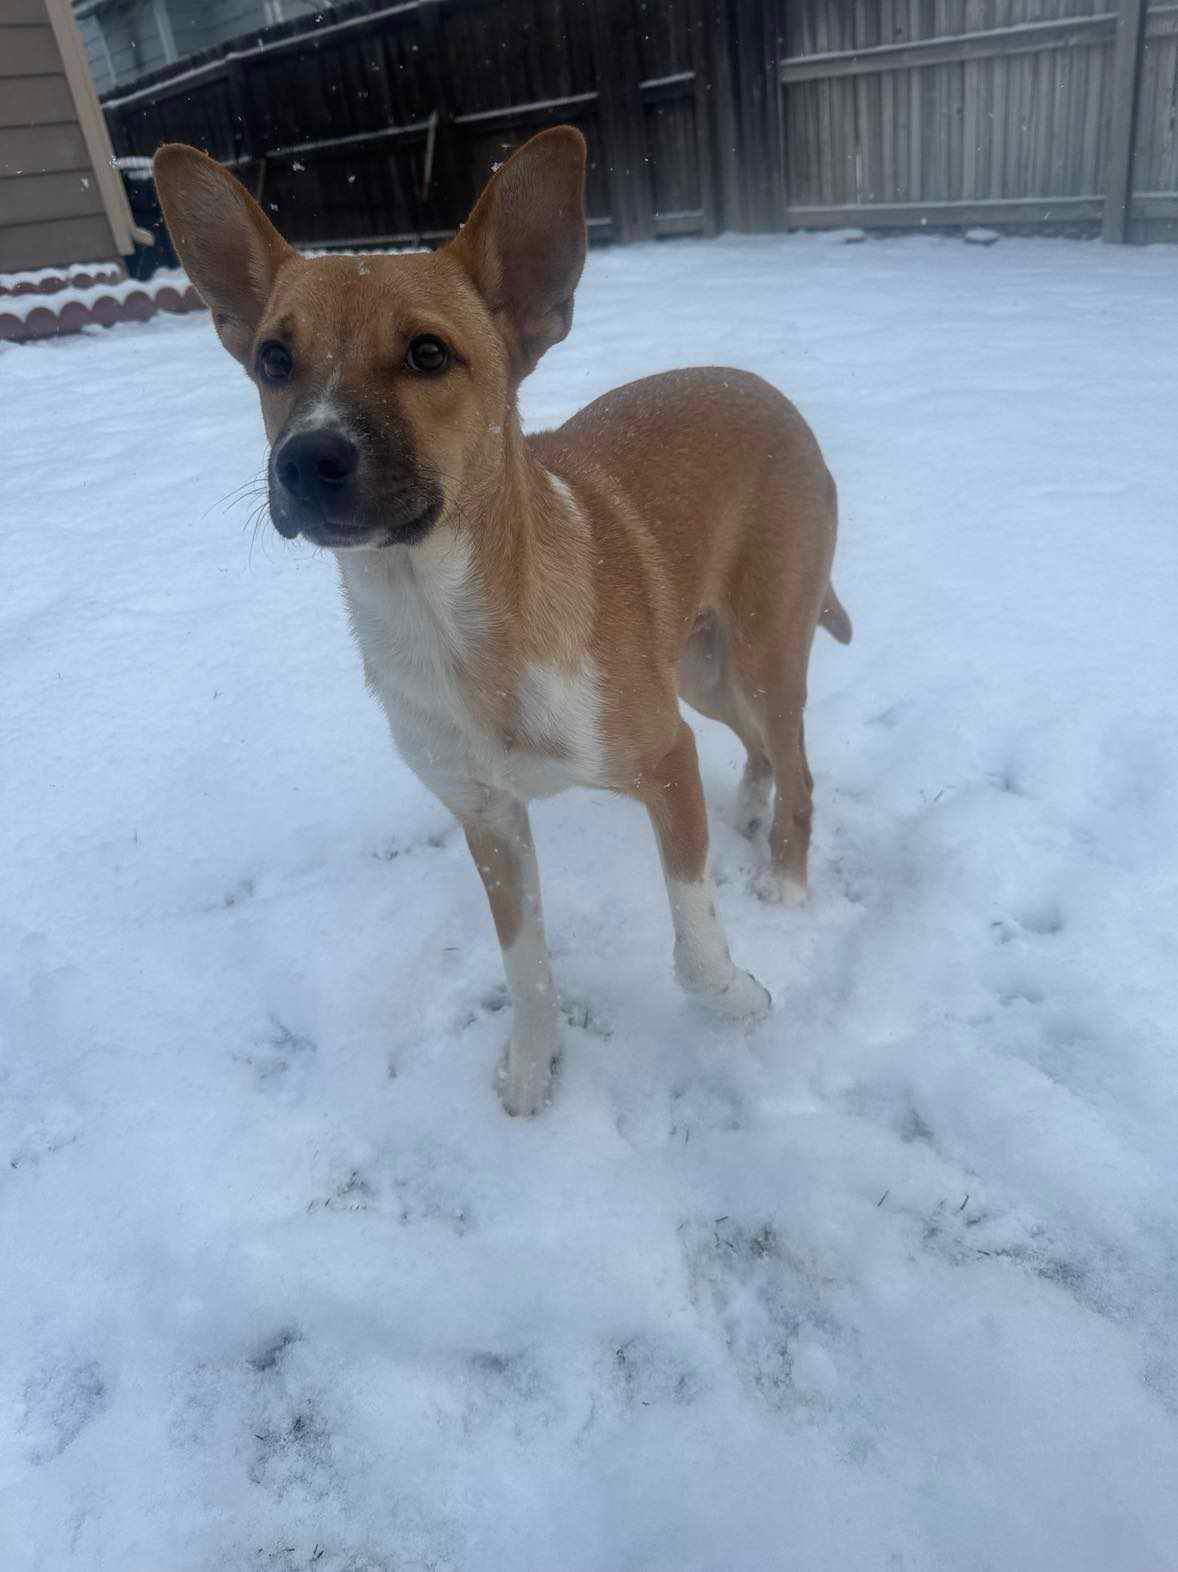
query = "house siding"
x=54 y=206
x=124 y=41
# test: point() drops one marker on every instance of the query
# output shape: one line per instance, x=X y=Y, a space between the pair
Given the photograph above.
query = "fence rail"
x=1023 y=38
x=379 y=122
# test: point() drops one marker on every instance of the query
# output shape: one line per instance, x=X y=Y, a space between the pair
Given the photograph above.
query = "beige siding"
x=35 y=100
x=29 y=50
x=40 y=150
x=60 y=201
x=59 y=241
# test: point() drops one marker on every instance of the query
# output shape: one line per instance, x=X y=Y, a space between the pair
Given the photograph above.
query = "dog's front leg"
x=500 y=841
x=674 y=797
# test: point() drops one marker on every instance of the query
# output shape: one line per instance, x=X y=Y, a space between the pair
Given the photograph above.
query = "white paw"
x=778 y=889
x=744 y=999
x=524 y=1081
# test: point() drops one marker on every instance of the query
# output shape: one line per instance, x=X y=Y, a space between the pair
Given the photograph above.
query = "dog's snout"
x=317 y=466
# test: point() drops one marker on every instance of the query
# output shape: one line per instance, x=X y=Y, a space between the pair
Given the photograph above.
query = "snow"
x=888 y=1282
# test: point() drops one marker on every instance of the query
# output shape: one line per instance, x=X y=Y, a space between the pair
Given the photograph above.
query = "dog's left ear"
x=524 y=243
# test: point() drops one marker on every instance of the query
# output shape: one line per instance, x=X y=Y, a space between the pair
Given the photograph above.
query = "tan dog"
x=530 y=610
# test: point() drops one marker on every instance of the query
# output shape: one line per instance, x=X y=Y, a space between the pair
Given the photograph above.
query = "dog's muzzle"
x=320 y=489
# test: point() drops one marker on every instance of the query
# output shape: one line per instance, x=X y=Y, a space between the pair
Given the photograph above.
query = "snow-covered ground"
x=891 y=1282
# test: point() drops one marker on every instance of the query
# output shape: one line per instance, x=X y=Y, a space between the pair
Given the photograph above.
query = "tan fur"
x=673 y=538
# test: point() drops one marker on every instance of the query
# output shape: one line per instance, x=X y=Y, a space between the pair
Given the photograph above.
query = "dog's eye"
x=428 y=355
x=274 y=361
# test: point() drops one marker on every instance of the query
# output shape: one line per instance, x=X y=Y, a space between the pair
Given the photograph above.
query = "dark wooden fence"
x=381 y=122
x=378 y=123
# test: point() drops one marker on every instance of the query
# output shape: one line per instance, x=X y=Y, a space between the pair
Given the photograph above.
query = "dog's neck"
x=513 y=541
x=507 y=494
x=528 y=541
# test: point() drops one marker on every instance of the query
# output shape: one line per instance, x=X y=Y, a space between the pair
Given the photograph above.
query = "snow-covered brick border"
x=49 y=280
x=52 y=301
x=69 y=309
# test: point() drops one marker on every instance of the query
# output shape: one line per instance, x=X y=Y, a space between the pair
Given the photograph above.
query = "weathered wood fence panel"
x=379 y=122
x=1019 y=112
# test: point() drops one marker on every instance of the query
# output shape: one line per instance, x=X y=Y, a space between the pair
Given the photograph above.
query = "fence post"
x=774 y=194
x=439 y=200
x=724 y=117
x=621 y=119
x=241 y=112
x=703 y=90
x=758 y=107
x=1126 y=81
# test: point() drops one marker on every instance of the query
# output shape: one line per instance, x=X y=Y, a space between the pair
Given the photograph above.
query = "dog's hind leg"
x=784 y=881
x=772 y=680
x=673 y=796
x=776 y=607
x=707 y=683
x=500 y=841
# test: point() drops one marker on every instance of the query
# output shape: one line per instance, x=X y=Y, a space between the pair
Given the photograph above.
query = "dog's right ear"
x=228 y=247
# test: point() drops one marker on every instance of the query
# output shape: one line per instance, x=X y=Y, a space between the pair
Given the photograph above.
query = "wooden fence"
x=378 y=123
x=980 y=112
x=381 y=123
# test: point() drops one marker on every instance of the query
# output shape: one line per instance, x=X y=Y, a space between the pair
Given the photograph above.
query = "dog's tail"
x=833 y=617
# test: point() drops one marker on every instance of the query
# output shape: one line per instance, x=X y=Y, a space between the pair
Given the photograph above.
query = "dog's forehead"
x=373 y=299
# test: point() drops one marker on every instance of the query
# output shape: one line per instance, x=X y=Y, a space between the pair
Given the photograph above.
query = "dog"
x=530 y=610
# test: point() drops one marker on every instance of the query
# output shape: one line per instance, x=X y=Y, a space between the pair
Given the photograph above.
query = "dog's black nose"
x=318 y=467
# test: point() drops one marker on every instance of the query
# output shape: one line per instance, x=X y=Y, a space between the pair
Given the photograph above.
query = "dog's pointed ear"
x=228 y=247
x=524 y=243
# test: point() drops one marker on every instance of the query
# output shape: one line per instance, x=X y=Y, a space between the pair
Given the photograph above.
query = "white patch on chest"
x=420 y=619
x=563 y=711
x=560 y=722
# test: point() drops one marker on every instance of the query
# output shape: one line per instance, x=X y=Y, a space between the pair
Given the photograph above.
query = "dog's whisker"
x=254 y=494
x=253 y=486
x=258 y=519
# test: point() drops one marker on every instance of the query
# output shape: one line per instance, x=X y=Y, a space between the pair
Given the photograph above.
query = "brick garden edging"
x=55 y=301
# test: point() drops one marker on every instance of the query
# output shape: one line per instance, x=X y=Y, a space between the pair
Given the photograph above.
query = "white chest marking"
x=560 y=714
x=420 y=621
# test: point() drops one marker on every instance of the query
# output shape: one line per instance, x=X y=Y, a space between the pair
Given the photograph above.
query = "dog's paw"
x=778 y=889
x=744 y=999
x=525 y=1081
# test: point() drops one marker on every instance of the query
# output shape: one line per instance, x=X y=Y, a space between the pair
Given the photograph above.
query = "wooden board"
x=59 y=241
x=42 y=149
x=34 y=100
x=29 y=198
